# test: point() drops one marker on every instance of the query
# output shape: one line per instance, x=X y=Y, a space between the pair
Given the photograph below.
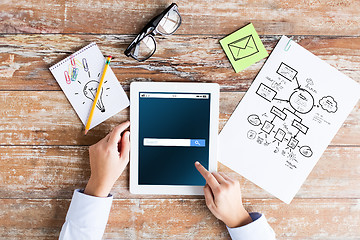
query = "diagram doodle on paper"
x=280 y=127
x=287 y=118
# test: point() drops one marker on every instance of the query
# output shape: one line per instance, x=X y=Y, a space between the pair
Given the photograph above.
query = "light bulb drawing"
x=90 y=90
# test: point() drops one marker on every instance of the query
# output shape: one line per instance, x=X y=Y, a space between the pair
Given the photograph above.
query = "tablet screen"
x=173 y=135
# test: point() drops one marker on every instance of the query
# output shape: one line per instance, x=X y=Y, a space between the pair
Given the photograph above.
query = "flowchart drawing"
x=328 y=104
x=286 y=120
x=266 y=92
x=286 y=71
x=254 y=120
x=286 y=124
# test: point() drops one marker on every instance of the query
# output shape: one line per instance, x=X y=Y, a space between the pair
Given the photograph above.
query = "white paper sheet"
x=287 y=118
x=78 y=76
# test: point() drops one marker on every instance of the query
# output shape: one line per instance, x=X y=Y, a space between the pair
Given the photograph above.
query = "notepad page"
x=78 y=76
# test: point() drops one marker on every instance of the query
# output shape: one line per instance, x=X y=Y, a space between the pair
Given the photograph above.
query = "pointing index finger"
x=210 y=179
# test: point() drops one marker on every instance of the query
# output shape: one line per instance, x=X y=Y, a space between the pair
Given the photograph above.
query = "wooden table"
x=44 y=155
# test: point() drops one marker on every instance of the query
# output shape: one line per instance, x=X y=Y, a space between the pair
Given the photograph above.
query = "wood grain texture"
x=25 y=59
x=47 y=118
x=44 y=155
x=55 y=171
x=321 y=17
x=185 y=219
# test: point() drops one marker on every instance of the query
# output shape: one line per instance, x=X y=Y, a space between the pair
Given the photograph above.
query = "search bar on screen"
x=174 y=142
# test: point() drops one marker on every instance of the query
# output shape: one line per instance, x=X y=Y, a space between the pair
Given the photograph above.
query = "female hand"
x=108 y=159
x=223 y=198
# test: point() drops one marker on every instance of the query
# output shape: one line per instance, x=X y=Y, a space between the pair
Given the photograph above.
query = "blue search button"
x=197 y=142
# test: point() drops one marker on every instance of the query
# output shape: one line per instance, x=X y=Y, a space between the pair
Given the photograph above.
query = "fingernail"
x=197 y=163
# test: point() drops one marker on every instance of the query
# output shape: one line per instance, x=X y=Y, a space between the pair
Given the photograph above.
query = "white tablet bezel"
x=135 y=89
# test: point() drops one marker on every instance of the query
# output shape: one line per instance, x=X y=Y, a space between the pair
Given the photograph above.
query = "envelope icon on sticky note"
x=243 y=47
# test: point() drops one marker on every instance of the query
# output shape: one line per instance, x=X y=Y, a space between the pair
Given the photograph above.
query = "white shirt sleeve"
x=86 y=218
x=256 y=230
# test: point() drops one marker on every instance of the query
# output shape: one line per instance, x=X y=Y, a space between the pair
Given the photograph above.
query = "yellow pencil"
x=87 y=127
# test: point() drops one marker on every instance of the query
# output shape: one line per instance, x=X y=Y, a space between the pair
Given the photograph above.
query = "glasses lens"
x=144 y=49
x=169 y=23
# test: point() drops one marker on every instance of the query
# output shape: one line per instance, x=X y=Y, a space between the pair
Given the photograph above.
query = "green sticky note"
x=243 y=47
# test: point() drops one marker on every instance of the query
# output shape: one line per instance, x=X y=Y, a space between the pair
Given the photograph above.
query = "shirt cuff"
x=89 y=211
x=259 y=228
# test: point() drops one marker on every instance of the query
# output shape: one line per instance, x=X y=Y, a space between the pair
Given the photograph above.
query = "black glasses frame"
x=150 y=30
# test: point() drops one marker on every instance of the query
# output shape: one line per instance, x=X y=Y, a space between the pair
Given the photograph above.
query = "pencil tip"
x=86 y=131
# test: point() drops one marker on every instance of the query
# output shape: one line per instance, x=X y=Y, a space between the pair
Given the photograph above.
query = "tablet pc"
x=173 y=125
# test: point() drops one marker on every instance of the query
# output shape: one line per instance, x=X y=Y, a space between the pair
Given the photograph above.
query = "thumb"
x=209 y=198
x=115 y=135
x=125 y=147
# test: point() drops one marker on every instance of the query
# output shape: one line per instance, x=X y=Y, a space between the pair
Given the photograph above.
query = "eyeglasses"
x=144 y=45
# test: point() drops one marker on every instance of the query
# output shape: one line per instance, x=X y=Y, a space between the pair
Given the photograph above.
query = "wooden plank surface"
x=47 y=118
x=185 y=219
x=25 y=59
x=323 y=17
x=55 y=171
x=44 y=154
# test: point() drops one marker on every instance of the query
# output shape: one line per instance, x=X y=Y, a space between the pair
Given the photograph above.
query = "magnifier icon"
x=197 y=142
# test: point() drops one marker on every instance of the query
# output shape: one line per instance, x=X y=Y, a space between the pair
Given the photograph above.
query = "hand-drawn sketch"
x=328 y=104
x=300 y=102
x=287 y=118
x=306 y=151
x=266 y=92
x=78 y=76
x=254 y=120
x=251 y=134
x=287 y=72
x=243 y=47
x=90 y=90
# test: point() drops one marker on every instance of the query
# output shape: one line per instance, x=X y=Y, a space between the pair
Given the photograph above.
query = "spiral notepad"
x=78 y=76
